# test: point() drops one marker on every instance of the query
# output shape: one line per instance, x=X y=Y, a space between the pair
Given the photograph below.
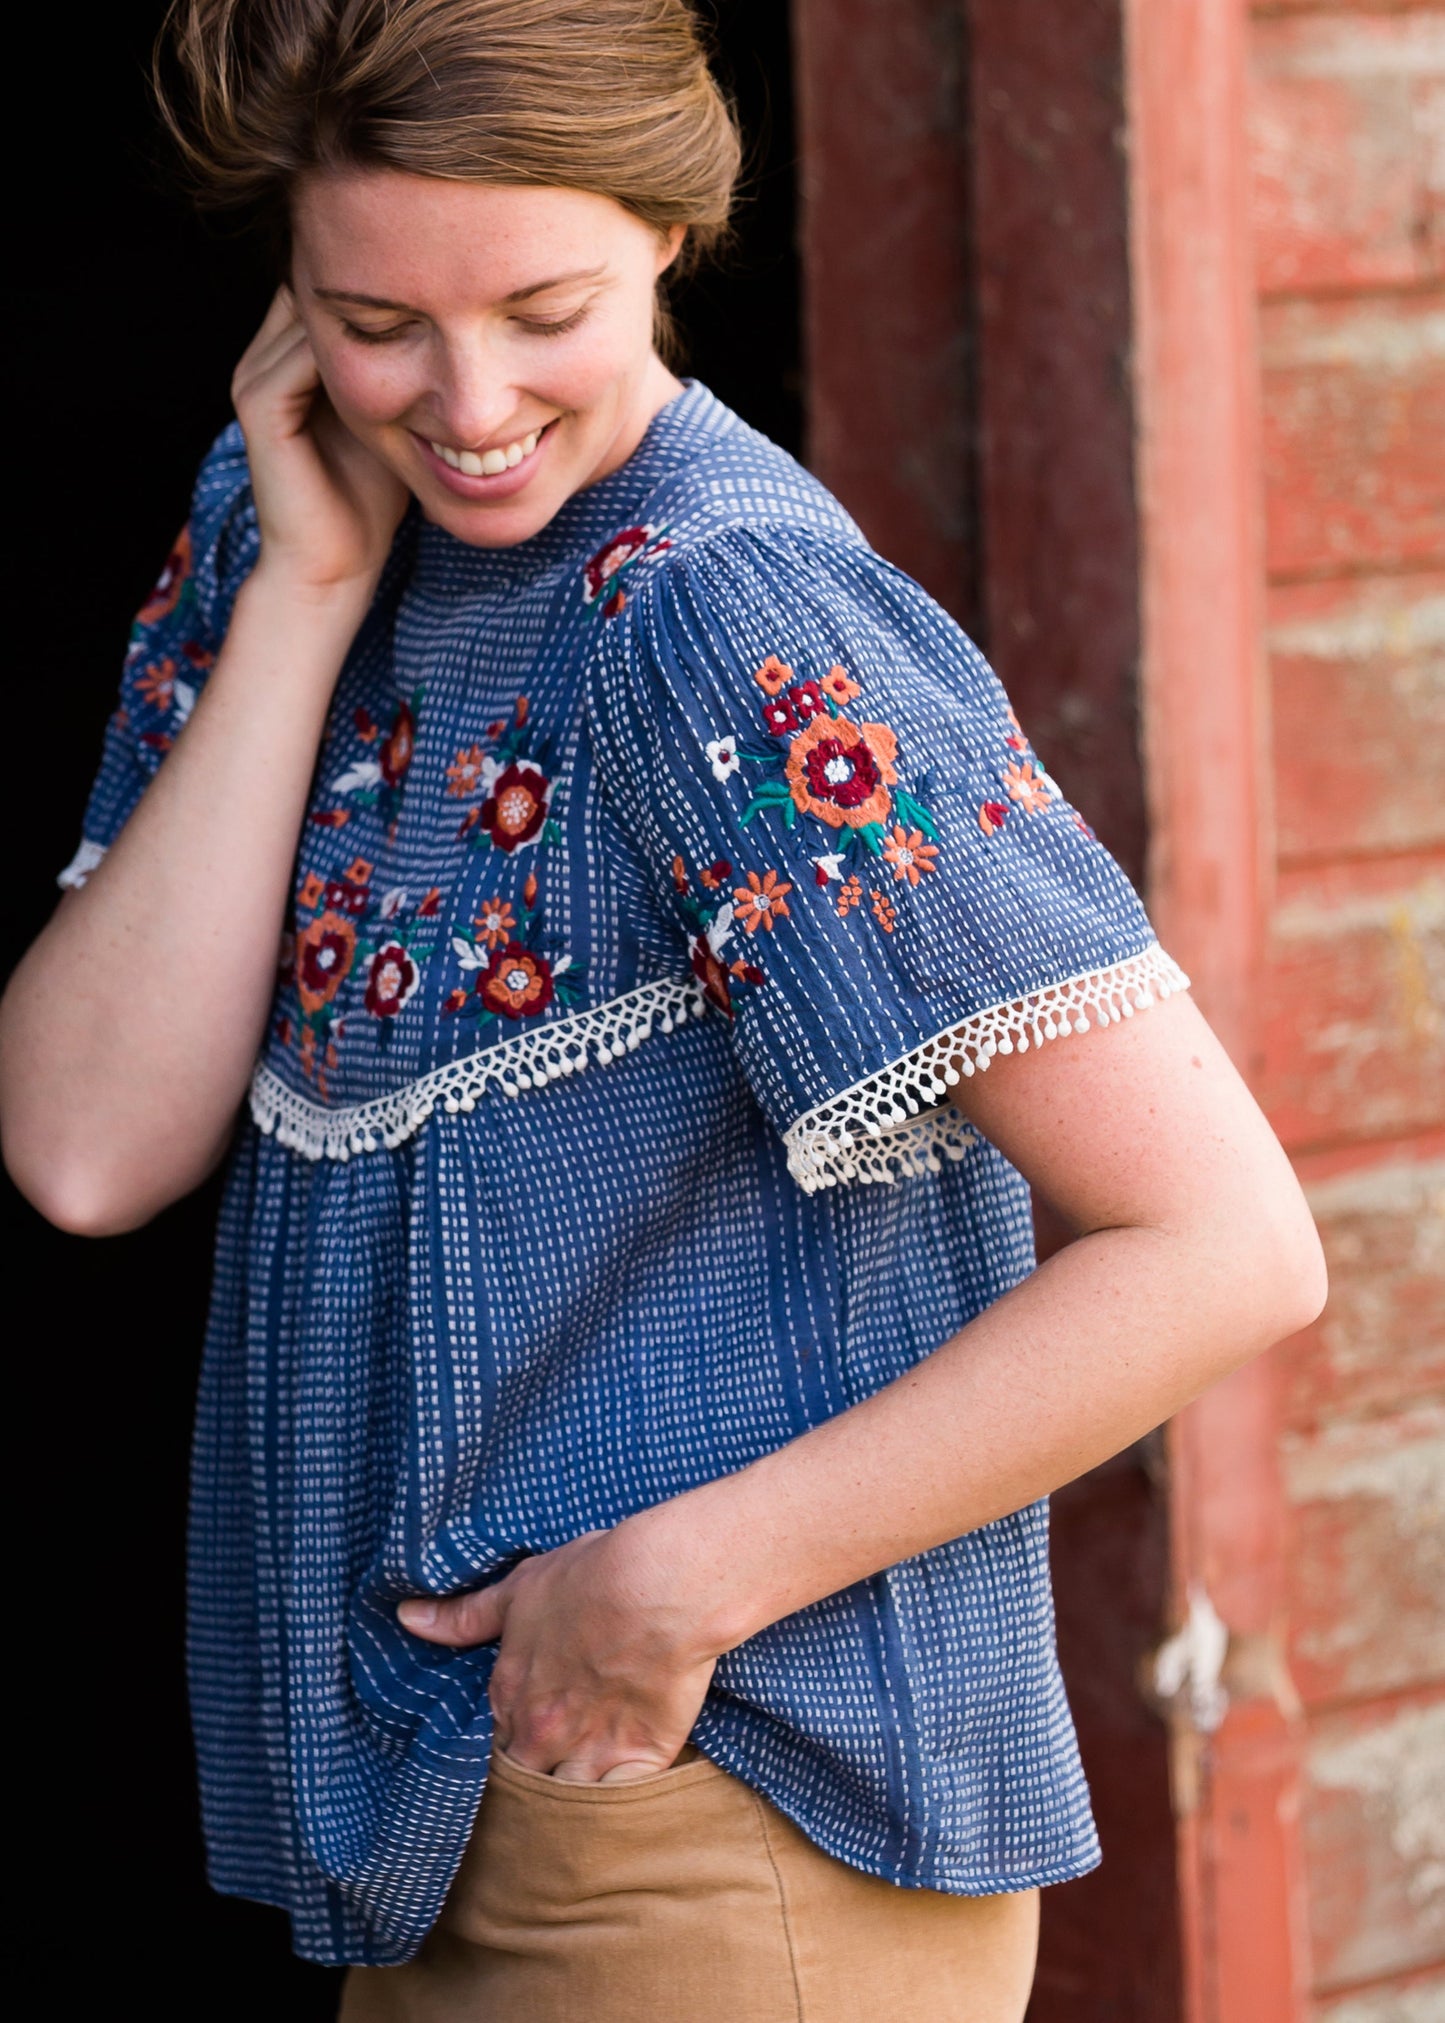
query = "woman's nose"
x=475 y=401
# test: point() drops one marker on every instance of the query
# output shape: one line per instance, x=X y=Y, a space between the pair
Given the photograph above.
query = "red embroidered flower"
x=992 y=816
x=711 y=974
x=430 y=903
x=324 y=954
x=167 y=593
x=779 y=716
x=715 y=874
x=807 y=700
x=604 y=565
x=516 y=808
x=366 y=726
x=839 y=771
x=346 y=896
x=394 y=758
x=516 y=982
x=390 y=981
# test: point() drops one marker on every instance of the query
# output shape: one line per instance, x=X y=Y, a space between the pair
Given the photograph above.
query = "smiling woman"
x=619 y=1579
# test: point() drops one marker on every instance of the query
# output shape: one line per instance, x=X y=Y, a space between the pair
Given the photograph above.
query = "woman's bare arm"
x=1195 y=1252
x=129 y=1031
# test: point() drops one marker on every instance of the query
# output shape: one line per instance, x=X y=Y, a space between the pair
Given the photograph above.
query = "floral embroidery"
x=840 y=773
x=884 y=911
x=324 y=953
x=909 y=855
x=511 y=977
x=752 y=905
x=773 y=676
x=320 y=954
x=516 y=804
x=606 y=569
x=760 y=902
x=724 y=757
x=378 y=782
x=390 y=981
x=495 y=922
x=850 y=896
x=1028 y=787
x=171 y=584
x=1025 y=785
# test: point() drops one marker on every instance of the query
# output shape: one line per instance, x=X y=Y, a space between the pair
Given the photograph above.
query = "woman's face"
x=492 y=346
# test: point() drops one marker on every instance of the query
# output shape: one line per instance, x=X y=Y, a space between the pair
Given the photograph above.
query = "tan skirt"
x=688 y=1898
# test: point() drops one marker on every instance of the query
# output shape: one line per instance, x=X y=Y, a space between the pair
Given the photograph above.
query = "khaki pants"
x=688 y=1898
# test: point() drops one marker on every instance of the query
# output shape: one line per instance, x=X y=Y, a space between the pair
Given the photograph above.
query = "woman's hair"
x=611 y=96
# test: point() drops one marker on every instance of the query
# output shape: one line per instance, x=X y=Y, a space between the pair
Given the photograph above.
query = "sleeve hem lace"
x=896 y=1120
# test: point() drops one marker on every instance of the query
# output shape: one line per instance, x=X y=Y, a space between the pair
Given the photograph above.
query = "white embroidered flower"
x=830 y=866
x=363 y=773
x=183 y=701
x=467 y=953
x=724 y=757
x=392 y=902
x=720 y=928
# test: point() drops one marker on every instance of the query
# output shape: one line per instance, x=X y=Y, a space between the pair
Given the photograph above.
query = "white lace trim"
x=80 y=866
x=604 y=1033
x=890 y=1124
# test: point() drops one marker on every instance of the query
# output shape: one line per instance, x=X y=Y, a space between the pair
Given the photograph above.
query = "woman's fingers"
x=459 y=1622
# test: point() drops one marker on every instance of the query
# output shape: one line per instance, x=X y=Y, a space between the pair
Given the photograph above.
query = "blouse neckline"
x=587 y=519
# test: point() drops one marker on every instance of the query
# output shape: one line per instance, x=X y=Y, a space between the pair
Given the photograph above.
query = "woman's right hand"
x=327 y=507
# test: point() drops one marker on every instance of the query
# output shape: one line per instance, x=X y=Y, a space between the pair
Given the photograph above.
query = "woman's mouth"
x=489 y=473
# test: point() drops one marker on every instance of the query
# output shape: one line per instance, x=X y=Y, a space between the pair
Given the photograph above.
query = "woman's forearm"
x=1100 y=1344
x=129 y=1031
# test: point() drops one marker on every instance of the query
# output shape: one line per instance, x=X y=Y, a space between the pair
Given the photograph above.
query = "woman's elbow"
x=77 y=1195
x=1288 y=1270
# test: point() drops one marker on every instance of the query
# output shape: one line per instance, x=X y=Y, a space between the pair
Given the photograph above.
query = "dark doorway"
x=127 y=323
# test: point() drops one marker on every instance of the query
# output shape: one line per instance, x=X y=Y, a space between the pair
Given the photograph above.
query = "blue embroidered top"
x=661 y=874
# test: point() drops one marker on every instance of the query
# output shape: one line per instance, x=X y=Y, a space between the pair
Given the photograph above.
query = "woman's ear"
x=671 y=242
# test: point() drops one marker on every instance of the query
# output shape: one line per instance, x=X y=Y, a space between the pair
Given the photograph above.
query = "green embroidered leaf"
x=550 y=832
x=915 y=812
x=872 y=835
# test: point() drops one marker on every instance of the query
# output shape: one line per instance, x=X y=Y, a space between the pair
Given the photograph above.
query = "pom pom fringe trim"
x=528 y=1061
x=890 y=1123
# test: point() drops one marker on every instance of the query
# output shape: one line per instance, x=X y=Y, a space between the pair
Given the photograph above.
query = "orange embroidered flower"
x=429 y=904
x=311 y=891
x=839 y=684
x=465 y=772
x=909 y=854
x=841 y=771
x=761 y=900
x=714 y=875
x=495 y=922
x=529 y=891
x=359 y=870
x=679 y=875
x=1025 y=786
x=324 y=953
x=394 y=758
x=773 y=676
x=883 y=911
x=516 y=982
x=156 y=684
x=850 y=895
x=1017 y=741
x=520 y=709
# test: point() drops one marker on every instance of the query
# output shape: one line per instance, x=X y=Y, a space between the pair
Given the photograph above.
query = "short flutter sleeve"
x=880 y=885
x=174 y=640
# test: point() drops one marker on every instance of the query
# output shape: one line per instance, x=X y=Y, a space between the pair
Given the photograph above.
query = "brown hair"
x=611 y=96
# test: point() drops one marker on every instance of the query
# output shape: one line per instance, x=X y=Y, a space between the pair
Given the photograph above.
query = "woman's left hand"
x=603 y=1664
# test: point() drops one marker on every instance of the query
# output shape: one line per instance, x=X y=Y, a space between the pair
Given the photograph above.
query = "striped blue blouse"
x=661 y=874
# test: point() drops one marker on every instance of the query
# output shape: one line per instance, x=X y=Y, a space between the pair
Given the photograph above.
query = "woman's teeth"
x=490 y=462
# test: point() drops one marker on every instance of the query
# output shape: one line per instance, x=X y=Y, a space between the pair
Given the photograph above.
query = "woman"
x=619 y=1575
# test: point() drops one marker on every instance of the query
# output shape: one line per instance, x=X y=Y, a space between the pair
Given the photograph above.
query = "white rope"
x=527 y=1061
x=839 y=1140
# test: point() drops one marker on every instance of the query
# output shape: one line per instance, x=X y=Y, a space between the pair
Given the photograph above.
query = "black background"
x=126 y=316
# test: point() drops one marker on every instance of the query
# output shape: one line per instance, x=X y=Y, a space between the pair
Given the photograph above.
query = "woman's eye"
x=554 y=326
x=365 y=336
